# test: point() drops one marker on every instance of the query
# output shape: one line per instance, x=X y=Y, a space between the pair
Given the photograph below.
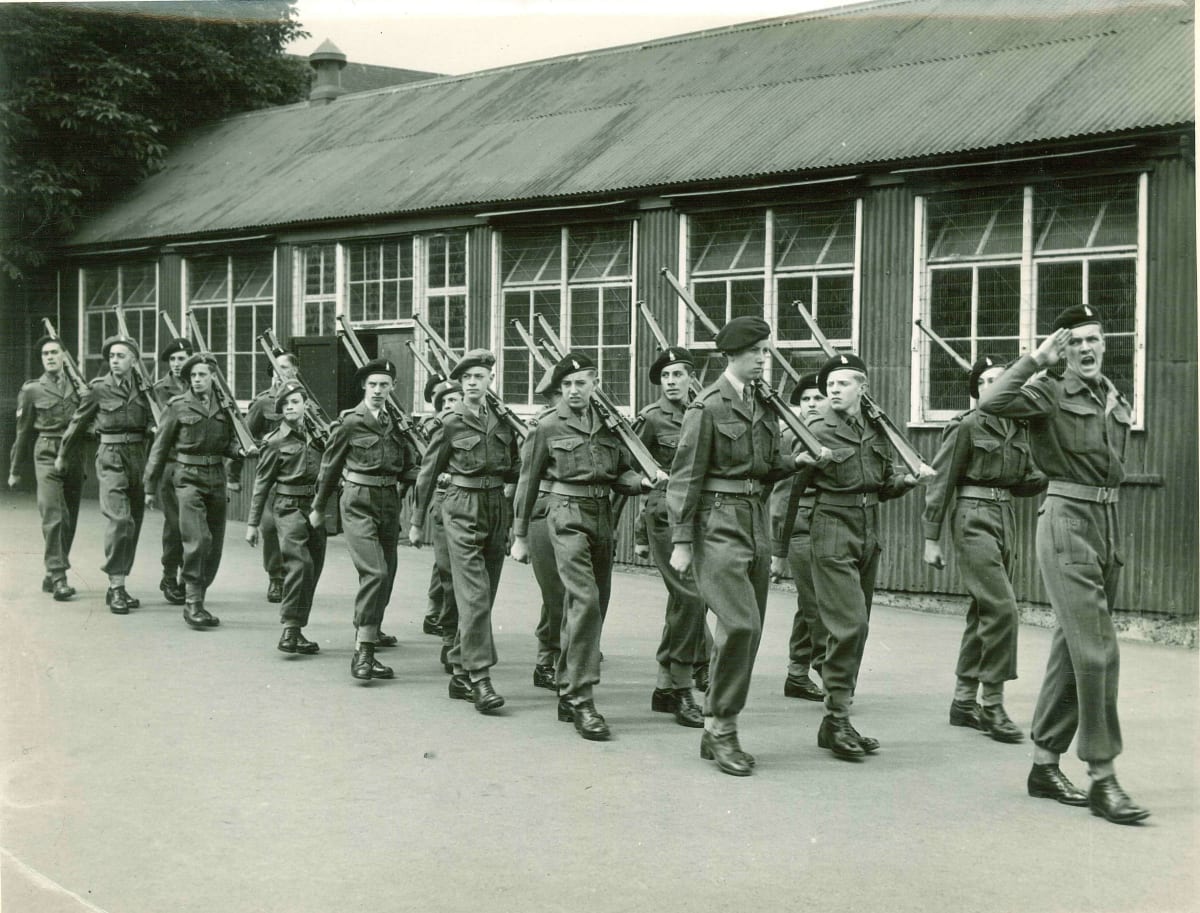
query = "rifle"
x=661 y=338
x=448 y=357
x=320 y=416
x=314 y=415
x=609 y=414
x=358 y=355
x=225 y=398
x=420 y=359
x=958 y=359
x=141 y=380
x=74 y=375
x=907 y=452
x=766 y=395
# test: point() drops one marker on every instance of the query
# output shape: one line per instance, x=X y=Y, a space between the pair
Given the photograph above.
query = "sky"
x=469 y=35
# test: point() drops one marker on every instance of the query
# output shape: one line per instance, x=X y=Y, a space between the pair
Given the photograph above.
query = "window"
x=1000 y=264
x=579 y=278
x=379 y=280
x=446 y=286
x=135 y=287
x=233 y=301
x=319 y=285
x=757 y=262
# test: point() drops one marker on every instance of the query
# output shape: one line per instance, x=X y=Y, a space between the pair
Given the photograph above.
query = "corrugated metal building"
x=979 y=165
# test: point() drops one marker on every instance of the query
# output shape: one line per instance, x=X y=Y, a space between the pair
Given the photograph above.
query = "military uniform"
x=44 y=409
x=441 y=614
x=166 y=389
x=545 y=570
x=263 y=417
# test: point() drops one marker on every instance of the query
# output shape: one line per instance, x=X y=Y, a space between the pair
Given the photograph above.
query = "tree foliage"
x=92 y=95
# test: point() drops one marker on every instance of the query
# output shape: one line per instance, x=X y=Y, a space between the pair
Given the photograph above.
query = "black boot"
x=837 y=735
x=305 y=646
x=485 y=696
x=199 y=617
x=172 y=590
x=363 y=662
x=725 y=751
x=275 y=590
x=62 y=590
x=287 y=641
x=118 y=600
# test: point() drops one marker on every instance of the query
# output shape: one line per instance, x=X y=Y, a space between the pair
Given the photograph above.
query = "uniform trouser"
x=58 y=504
x=202 y=504
x=371 y=520
x=983 y=533
x=845 y=557
x=477 y=522
x=731 y=558
x=303 y=549
x=806 y=644
x=447 y=616
x=119 y=469
x=682 y=643
x=580 y=531
x=433 y=610
x=172 y=542
x=545 y=570
x=1077 y=549
x=272 y=552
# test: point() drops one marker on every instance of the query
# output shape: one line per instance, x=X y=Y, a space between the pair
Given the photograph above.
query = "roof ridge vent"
x=328 y=61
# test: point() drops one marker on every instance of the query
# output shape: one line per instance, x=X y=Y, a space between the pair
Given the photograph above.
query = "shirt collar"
x=738 y=386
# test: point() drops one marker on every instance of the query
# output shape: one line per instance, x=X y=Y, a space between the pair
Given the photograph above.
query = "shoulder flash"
x=345 y=412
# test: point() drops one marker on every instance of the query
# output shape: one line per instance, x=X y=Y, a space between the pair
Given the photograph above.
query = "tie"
x=748 y=399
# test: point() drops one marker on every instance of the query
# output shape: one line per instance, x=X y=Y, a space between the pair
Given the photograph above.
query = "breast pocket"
x=190 y=429
x=843 y=468
x=987 y=458
x=732 y=444
x=468 y=452
x=665 y=446
x=111 y=417
x=366 y=450
x=1082 y=426
x=568 y=461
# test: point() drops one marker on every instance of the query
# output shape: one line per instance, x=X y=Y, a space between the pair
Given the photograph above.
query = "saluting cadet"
x=728 y=448
x=44 y=408
x=170 y=385
x=445 y=395
x=545 y=568
x=859 y=474
x=436 y=604
x=122 y=418
x=263 y=417
x=1078 y=428
x=480 y=453
x=574 y=457
x=368 y=454
x=682 y=644
x=199 y=435
x=287 y=471
x=983 y=461
x=791 y=519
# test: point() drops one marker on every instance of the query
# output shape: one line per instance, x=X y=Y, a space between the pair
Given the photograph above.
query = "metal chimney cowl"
x=328 y=62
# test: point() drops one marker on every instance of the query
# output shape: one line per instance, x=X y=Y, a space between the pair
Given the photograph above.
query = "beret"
x=671 y=355
x=123 y=340
x=441 y=390
x=200 y=358
x=806 y=382
x=287 y=390
x=982 y=365
x=845 y=362
x=434 y=379
x=570 y=364
x=375 y=366
x=543 y=388
x=741 y=333
x=1077 y=316
x=476 y=358
x=178 y=344
x=37 y=346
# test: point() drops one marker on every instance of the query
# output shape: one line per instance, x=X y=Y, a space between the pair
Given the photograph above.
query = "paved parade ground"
x=151 y=768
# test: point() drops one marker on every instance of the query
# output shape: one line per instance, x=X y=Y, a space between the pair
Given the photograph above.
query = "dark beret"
x=375 y=366
x=476 y=358
x=1077 y=316
x=982 y=365
x=123 y=340
x=287 y=390
x=672 y=355
x=37 y=346
x=200 y=358
x=741 y=333
x=178 y=344
x=572 y=363
x=440 y=391
x=806 y=382
x=434 y=379
x=848 y=362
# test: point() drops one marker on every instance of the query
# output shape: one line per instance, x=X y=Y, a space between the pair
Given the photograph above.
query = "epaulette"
x=652 y=407
x=176 y=398
x=276 y=433
x=345 y=412
x=98 y=381
x=29 y=383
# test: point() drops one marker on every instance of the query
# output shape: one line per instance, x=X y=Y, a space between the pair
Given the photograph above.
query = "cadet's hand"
x=316 y=519
x=520 y=549
x=416 y=536
x=926 y=473
x=681 y=557
x=252 y=535
x=510 y=489
x=778 y=568
x=233 y=485
x=253 y=451
x=13 y=480
x=151 y=502
x=641 y=551
x=60 y=465
x=1052 y=349
x=933 y=554
x=660 y=479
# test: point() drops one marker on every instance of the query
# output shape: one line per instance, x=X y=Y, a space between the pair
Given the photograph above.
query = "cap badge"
x=843 y=357
x=1087 y=311
x=575 y=364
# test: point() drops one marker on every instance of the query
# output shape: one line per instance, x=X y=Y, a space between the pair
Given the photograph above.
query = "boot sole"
x=1061 y=800
x=1134 y=819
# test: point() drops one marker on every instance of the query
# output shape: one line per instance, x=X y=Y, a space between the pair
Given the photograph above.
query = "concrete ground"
x=149 y=768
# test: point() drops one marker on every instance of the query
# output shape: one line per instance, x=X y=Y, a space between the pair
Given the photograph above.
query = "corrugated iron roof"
x=872 y=83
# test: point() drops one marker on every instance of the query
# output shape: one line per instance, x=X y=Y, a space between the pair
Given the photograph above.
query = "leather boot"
x=287 y=640
x=199 y=617
x=275 y=590
x=386 y=640
x=565 y=714
x=485 y=696
x=117 y=600
x=363 y=663
x=725 y=751
x=869 y=745
x=837 y=735
x=459 y=688
x=701 y=677
x=47 y=584
x=543 y=677
x=172 y=591
x=965 y=713
x=305 y=646
x=1107 y=800
x=686 y=712
x=589 y=723
x=1047 y=781
x=995 y=722
x=62 y=590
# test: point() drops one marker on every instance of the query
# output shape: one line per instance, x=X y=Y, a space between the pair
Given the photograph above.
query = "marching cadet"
x=263 y=417
x=122 y=418
x=170 y=385
x=287 y=471
x=541 y=556
x=791 y=518
x=200 y=436
x=436 y=604
x=368 y=454
x=728 y=448
x=982 y=462
x=44 y=408
x=682 y=642
x=574 y=457
x=444 y=396
x=1078 y=429
x=859 y=475
x=480 y=453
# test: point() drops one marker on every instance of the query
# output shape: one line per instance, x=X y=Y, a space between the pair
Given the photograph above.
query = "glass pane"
x=1059 y=286
x=821 y=236
x=585 y=318
x=598 y=252
x=548 y=304
x=207 y=279
x=614 y=375
x=436 y=273
x=356 y=262
x=746 y=298
x=973 y=224
x=218 y=334
x=404 y=303
x=139 y=285
x=531 y=256
x=999 y=301
x=789 y=290
x=1118 y=362
x=312 y=319
x=243 y=372
x=95 y=333
x=371 y=264
x=456 y=322
x=390 y=265
x=1112 y=291
x=617 y=317
x=456 y=268
x=357 y=304
x=711 y=298
x=100 y=287
x=950 y=302
x=1080 y=215
x=252 y=277
x=390 y=304
x=727 y=241
x=243 y=329
x=834 y=314
x=709 y=365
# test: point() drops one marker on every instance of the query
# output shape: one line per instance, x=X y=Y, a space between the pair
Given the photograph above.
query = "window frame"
x=149 y=355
